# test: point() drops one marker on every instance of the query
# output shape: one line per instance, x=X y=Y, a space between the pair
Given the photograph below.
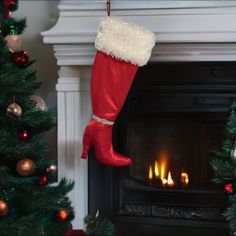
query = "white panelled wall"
x=186 y=31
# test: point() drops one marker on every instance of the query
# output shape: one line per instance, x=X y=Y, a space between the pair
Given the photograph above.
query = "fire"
x=150 y=174
x=164 y=182
x=170 y=181
x=156 y=171
x=163 y=170
x=159 y=171
x=159 y=174
x=184 y=178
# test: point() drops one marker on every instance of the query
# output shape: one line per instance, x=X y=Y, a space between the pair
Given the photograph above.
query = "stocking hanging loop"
x=108 y=7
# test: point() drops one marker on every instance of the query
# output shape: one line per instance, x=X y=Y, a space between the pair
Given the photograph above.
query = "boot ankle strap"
x=103 y=121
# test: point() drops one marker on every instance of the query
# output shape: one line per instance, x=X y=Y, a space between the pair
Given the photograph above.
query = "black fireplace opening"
x=172 y=121
x=177 y=146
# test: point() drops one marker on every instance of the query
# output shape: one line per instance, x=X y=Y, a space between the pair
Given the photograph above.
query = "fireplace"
x=187 y=31
x=173 y=119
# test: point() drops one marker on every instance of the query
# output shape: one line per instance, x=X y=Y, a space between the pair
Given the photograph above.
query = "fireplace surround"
x=187 y=31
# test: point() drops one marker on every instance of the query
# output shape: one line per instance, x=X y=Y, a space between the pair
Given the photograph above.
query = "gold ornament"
x=25 y=167
x=14 y=109
x=13 y=42
x=3 y=208
x=40 y=103
x=52 y=169
x=62 y=215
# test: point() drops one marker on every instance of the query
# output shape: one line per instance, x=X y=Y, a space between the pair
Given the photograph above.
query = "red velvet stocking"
x=122 y=48
x=110 y=83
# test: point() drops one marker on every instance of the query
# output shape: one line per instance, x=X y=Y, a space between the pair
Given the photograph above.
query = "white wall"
x=41 y=15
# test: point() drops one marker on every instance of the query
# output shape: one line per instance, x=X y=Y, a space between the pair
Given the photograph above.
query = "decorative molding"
x=205 y=213
x=84 y=54
x=193 y=31
x=194 y=52
x=75 y=54
x=72 y=5
x=180 y=22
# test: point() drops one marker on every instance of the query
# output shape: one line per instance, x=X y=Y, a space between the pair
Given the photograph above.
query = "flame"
x=170 y=181
x=184 y=178
x=187 y=180
x=163 y=170
x=150 y=174
x=164 y=182
x=156 y=171
x=163 y=164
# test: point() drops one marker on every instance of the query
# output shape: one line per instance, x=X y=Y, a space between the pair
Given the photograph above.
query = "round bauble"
x=12 y=6
x=62 y=215
x=20 y=58
x=40 y=103
x=52 y=169
x=43 y=180
x=3 y=208
x=25 y=167
x=229 y=188
x=233 y=154
x=23 y=135
x=13 y=42
x=14 y=110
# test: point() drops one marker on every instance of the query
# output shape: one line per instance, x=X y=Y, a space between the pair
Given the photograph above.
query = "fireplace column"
x=74 y=113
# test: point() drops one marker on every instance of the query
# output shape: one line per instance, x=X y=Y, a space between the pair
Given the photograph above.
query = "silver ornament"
x=233 y=153
x=40 y=103
x=52 y=169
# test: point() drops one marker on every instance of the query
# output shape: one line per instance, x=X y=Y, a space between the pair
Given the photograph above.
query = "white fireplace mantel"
x=185 y=30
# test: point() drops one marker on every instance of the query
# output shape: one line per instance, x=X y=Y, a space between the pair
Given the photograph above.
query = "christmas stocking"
x=121 y=48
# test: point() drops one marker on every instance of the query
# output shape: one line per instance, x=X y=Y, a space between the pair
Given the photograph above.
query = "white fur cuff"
x=125 y=41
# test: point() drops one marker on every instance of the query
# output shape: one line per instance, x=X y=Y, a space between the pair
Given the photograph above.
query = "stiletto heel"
x=100 y=135
x=87 y=142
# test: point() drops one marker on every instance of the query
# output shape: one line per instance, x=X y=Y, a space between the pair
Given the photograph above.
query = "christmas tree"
x=29 y=204
x=224 y=165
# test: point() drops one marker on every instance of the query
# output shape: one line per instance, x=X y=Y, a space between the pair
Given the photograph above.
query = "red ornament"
x=23 y=135
x=229 y=188
x=43 y=180
x=20 y=58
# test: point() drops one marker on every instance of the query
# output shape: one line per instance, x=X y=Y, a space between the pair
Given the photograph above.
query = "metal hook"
x=108 y=7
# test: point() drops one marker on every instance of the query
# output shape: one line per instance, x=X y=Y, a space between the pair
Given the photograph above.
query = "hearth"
x=173 y=119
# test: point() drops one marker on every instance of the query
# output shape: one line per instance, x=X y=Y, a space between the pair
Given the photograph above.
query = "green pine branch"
x=225 y=166
x=32 y=208
x=97 y=225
